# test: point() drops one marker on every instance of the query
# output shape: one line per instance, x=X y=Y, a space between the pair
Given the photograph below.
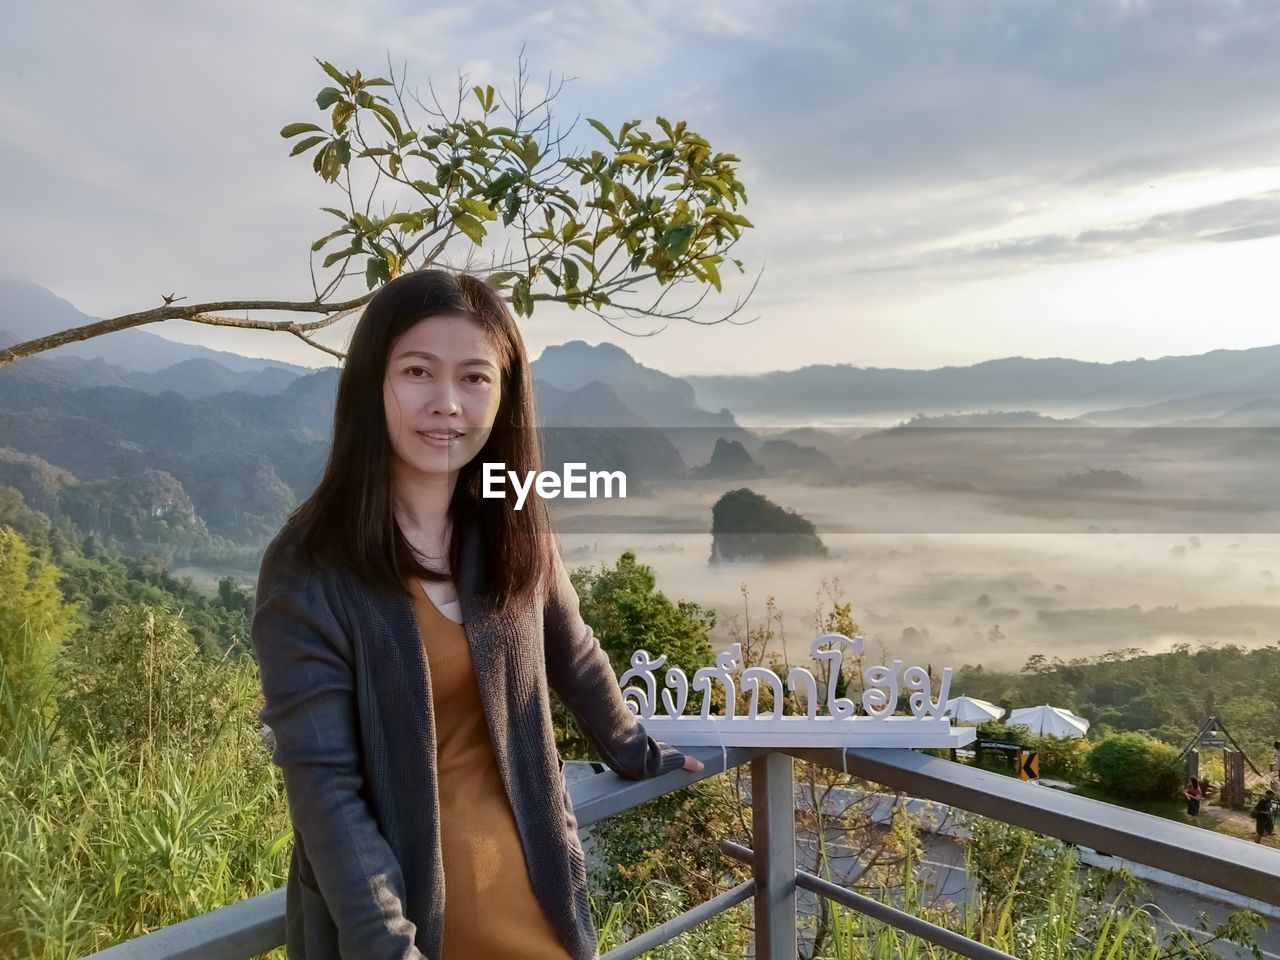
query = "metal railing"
x=254 y=926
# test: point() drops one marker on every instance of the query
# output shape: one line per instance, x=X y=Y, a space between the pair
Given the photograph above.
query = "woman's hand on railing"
x=692 y=764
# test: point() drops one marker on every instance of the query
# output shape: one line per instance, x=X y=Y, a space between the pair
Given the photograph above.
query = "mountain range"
x=1235 y=384
x=243 y=439
x=1206 y=385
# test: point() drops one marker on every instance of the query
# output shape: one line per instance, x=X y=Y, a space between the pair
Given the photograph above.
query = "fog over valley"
x=994 y=599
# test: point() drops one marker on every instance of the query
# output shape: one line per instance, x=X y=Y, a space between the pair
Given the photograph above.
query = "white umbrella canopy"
x=972 y=710
x=1047 y=721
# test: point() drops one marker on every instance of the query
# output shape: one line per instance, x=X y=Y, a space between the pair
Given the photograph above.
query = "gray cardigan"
x=347 y=693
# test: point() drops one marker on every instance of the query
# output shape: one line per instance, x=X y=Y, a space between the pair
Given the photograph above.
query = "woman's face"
x=441 y=394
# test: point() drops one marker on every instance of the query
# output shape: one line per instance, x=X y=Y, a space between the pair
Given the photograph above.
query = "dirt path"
x=1236 y=823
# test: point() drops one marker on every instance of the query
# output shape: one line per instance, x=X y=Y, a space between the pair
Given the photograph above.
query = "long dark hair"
x=349 y=519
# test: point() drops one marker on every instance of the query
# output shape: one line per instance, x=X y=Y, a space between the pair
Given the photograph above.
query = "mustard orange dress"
x=491 y=912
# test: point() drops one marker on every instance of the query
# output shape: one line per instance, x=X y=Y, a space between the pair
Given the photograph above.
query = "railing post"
x=773 y=817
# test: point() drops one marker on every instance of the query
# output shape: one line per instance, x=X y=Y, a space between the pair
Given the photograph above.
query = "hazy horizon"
x=324 y=361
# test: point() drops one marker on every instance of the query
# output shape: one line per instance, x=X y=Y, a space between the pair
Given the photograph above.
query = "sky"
x=931 y=182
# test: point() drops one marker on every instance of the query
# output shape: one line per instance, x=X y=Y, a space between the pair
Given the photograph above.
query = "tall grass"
x=1068 y=913
x=103 y=841
x=723 y=937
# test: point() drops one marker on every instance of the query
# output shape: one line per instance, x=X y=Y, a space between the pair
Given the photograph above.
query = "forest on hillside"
x=1165 y=695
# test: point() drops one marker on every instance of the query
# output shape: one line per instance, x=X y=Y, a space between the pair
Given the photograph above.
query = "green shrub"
x=34 y=624
x=1135 y=765
x=1064 y=757
x=141 y=680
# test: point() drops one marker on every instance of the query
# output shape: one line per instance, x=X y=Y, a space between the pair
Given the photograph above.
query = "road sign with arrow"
x=1028 y=765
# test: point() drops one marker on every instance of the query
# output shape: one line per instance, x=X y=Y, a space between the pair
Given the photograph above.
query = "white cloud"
x=983 y=140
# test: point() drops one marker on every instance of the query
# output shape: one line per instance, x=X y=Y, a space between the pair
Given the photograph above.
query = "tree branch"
x=198 y=313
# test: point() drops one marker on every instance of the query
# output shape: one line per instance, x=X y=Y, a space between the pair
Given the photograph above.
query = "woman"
x=1264 y=816
x=407 y=632
x=1194 y=795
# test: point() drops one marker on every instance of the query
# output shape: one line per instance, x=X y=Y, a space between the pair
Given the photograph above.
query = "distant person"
x=1275 y=763
x=1194 y=795
x=1264 y=815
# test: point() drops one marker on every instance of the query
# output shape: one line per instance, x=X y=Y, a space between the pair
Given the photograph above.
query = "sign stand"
x=1213 y=734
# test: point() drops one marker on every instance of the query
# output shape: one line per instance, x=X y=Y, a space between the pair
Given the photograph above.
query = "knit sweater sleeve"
x=306 y=664
x=579 y=671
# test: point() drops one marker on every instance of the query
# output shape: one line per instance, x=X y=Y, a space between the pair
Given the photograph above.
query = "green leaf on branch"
x=530 y=152
x=713 y=274
x=604 y=131
x=326 y=163
x=306 y=144
x=570 y=269
x=315 y=247
x=406 y=221
x=293 y=129
x=591 y=267
x=327 y=97
x=334 y=72
x=342 y=114
x=639 y=159
x=676 y=240
x=485 y=96
x=333 y=258
x=477 y=208
x=521 y=298
x=501 y=183
x=717 y=213
x=387 y=117
x=469 y=225
x=376 y=271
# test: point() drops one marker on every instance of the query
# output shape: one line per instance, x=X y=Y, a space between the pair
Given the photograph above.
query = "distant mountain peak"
x=657 y=398
x=578 y=360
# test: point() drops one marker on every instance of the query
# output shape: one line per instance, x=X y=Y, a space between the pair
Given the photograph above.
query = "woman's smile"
x=442 y=439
